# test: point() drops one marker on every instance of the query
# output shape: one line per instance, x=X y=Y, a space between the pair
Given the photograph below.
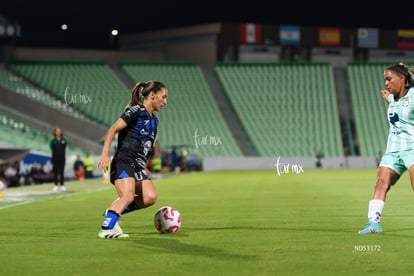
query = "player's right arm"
x=385 y=94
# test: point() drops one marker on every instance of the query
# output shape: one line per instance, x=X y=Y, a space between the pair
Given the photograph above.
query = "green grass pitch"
x=251 y=222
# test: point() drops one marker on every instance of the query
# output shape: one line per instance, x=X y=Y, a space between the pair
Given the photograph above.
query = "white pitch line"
x=46 y=198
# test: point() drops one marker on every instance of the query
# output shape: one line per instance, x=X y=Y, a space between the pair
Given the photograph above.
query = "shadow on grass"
x=173 y=245
x=261 y=228
x=397 y=233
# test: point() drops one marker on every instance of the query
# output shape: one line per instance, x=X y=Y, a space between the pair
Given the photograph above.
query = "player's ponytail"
x=141 y=90
x=410 y=76
x=136 y=95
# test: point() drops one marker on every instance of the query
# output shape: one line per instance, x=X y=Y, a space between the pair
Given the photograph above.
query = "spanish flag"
x=329 y=36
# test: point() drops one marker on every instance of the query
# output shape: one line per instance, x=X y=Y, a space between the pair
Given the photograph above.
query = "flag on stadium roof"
x=367 y=38
x=250 y=33
x=405 y=39
x=329 y=36
x=289 y=35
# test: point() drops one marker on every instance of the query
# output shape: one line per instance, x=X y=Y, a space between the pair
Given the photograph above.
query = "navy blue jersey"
x=137 y=139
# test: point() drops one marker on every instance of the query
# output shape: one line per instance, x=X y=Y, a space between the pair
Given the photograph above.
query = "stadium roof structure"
x=88 y=24
x=10 y=153
x=8 y=28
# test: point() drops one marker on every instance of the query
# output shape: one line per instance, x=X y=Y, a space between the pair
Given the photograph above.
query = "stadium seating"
x=191 y=116
x=369 y=108
x=21 y=86
x=90 y=87
x=288 y=109
x=19 y=134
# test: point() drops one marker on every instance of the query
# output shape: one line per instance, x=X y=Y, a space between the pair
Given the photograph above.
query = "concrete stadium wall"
x=110 y=57
x=196 y=43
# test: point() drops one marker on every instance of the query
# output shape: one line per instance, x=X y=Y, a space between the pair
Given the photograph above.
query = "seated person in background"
x=79 y=168
x=41 y=176
x=11 y=175
x=34 y=171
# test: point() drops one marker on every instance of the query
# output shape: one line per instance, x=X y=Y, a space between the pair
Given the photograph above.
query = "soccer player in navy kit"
x=399 y=155
x=137 y=133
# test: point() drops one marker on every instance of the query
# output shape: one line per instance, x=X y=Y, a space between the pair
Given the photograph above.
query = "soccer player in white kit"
x=399 y=155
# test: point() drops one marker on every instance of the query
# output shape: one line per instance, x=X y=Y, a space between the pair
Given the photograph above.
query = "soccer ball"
x=167 y=220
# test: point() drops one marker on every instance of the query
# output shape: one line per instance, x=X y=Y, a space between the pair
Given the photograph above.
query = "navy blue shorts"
x=122 y=169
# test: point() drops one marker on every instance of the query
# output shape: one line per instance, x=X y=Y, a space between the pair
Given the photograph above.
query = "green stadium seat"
x=284 y=107
x=370 y=109
x=191 y=108
x=90 y=87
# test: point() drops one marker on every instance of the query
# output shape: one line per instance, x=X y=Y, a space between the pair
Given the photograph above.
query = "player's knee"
x=382 y=184
x=150 y=199
x=127 y=198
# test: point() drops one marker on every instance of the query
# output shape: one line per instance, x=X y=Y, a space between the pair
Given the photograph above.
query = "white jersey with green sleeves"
x=401 y=121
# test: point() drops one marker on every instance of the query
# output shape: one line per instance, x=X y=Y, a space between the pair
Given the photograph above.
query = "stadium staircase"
x=228 y=112
x=22 y=135
x=192 y=117
x=293 y=105
x=288 y=109
x=370 y=109
x=349 y=137
x=90 y=87
x=23 y=100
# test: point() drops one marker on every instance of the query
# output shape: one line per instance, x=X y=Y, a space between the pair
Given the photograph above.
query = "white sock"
x=375 y=207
